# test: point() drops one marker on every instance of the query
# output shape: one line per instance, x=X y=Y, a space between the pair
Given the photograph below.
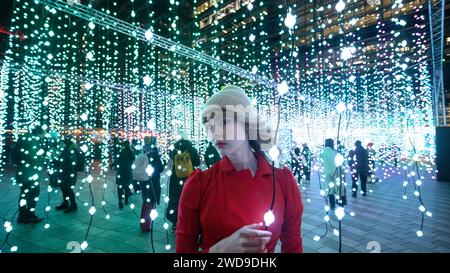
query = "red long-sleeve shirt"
x=217 y=202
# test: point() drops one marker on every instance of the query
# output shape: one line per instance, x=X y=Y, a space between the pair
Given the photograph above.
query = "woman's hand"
x=248 y=239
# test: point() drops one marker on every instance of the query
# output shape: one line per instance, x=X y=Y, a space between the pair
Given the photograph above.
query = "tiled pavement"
x=383 y=216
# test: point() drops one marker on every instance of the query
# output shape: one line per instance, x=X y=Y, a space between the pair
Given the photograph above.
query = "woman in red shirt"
x=222 y=208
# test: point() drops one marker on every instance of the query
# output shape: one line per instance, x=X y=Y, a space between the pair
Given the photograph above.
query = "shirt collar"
x=263 y=167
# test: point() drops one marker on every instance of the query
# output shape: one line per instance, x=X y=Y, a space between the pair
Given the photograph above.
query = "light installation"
x=77 y=76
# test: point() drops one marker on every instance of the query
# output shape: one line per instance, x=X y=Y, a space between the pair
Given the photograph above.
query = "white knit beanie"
x=229 y=95
x=234 y=96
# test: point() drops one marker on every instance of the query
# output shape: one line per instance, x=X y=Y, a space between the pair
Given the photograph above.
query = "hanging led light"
x=147 y=80
x=290 y=20
x=340 y=6
x=282 y=88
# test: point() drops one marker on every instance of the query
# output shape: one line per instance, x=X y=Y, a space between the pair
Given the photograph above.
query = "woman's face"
x=227 y=134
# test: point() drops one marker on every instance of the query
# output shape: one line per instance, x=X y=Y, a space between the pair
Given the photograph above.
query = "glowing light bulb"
x=269 y=218
x=347 y=52
x=419 y=233
x=326 y=218
x=421 y=208
x=47 y=226
x=274 y=153
x=13 y=248
x=132 y=206
x=340 y=6
x=254 y=69
x=166 y=199
x=336 y=232
x=339 y=160
x=429 y=214
x=151 y=125
x=340 y=213
x=90 y=56
x=290 y=20
x=148 y=34
x=153 y=214
x=340 y=107
x=92 y=210
x=149 y=170
x=316 y=238
x=167 y=247
x=251 y=38
x=84 y=245
x=282 y=88
x=89 y=179
x=84 y=116
x=107 y=216
x=147 y=80
x=405 y=197
x=166 y=226
x=352 y=214
x=91 y=25
x=22 y=202
x=249 y=6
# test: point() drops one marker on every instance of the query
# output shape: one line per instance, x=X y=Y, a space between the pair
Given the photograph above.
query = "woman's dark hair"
x=329 y=143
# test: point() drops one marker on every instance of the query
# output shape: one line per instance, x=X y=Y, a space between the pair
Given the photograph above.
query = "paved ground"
x=383 y=220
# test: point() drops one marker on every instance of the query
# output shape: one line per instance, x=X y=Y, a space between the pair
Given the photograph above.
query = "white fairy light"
x=429 y=214
x=84 y=245
x=340 y=6
x=404 y=197
x=84 y=116
x=347 y=52
x=132 y=206
x=282 y=88
x=90 y=56
x=22 y=202
x=340 y=107
x=316 y=238
x=147 y=80
x=13 y=248
x=166 y=199
x=274 y=153
x=419 y=183
x=326 y=218
x=352 y=214
x=290 y=20
x=46 y=226
x=340 y=213
x=148 y=34
x=269 y=218
x=153 y=214
x=254 y=69
x=339 y=160
x=419 y=233
x=92 y=210
x=249 y=6
x=336 y=232
x=91 y=25
x=89 y=179
x=251 y=38
x=167 y=247
x=151 y=125
x=422 y=208
x=149 y=170
x=322 y=192
x=84 y=148
x=166 y=226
